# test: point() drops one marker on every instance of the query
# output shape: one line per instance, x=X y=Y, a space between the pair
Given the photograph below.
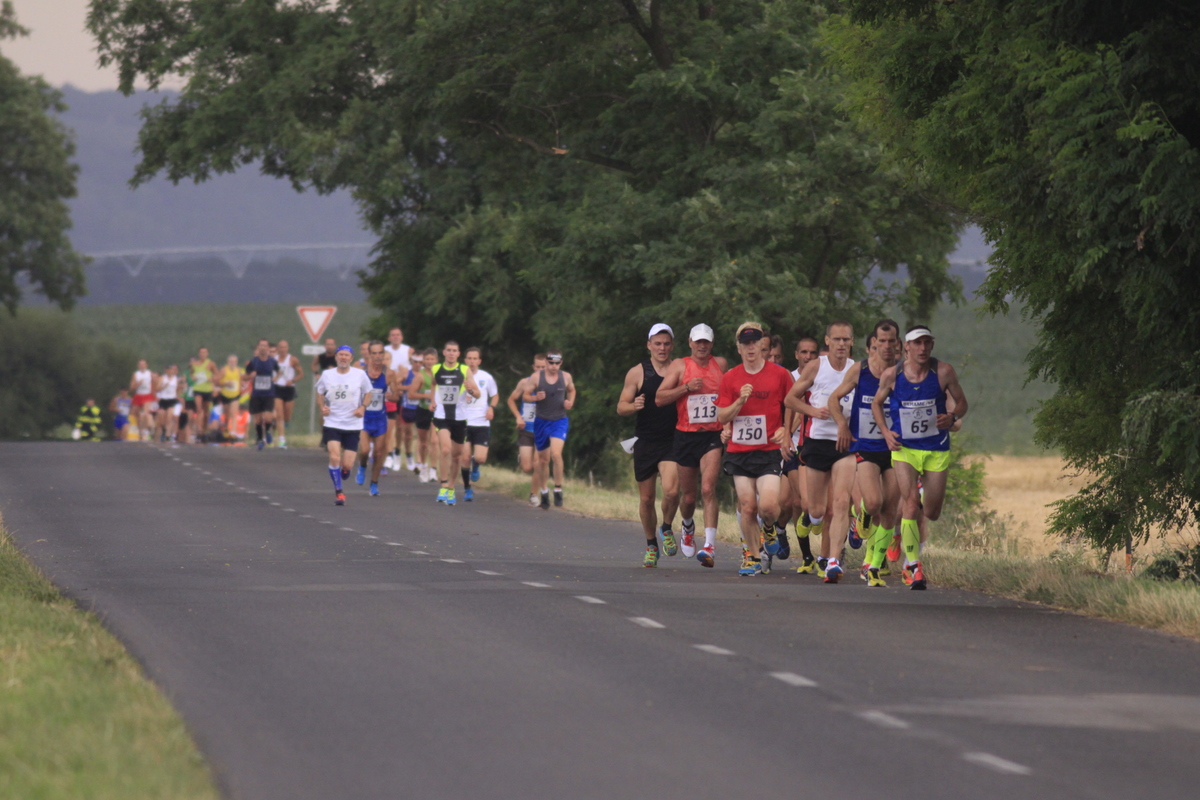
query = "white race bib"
x=750 y=431
x=338 y=392
x=376 y=400
x=447 y=395
x=867 y=429
x=701 y=408
x=918 y=419
x=262 y=383
x=528 y=412
x=201 y=376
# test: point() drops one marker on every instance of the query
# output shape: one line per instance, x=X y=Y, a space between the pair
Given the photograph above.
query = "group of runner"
x=840 y=447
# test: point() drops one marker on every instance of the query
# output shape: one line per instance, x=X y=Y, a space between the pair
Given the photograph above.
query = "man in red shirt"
x=750 y=400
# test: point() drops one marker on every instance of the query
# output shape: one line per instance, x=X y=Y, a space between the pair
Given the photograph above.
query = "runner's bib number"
x=528 y=411
x=867 y=429
x=447 y=395
x=749 y=430
x=262 y=383
x=200 y=376
x=702 y=408
x=918 y=419
x=376 y=400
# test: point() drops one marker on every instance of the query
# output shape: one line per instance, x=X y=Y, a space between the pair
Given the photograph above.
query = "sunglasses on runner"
x=554 y=360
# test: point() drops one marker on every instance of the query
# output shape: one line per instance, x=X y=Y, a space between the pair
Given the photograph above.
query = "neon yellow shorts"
x=923 y=460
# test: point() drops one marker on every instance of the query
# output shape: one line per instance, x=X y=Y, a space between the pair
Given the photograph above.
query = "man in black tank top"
x=654 y=450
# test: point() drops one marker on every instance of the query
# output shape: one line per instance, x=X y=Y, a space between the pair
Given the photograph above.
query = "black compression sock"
x=652 y=543
x=466 y=473
x=258 y=431
x=805 y=549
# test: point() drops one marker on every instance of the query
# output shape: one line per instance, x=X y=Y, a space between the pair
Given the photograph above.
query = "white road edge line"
x=792 y=679
x=596 y=601
x=488 y=572
x=646 y=622
x=884 y=720
x=536 y=585
x=713 y=649
x=1002 y=765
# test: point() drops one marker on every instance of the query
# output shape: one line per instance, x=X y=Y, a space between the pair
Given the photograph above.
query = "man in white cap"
x=691 y=385
x=654 y=450
x=918 y=436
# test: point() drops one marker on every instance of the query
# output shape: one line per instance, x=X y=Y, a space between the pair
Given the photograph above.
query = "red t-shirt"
x=762 y=414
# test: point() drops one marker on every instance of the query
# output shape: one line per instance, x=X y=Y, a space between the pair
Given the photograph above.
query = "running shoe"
x=770 y=540
x=270 y=438
x=558 y=498
x=918 y=578
x=821 y=567
x=706 y=556
x=893 y=551
x=361 y=476
x=855 y=539
x=807 y=568
x=282 y=443
x=261 y=444
x=450 y=497
x=468 y=494
x=441 y=498
x=374 y=489
x=533 y=501
x=339 y=499
x=687 y=542
x=885 y=569
x=864 y=570
x=873 y=578
x=411 y=464
x=832 y=573
x=390 y=462
x=668 y=542
x=545 y=501
x=906 y=573
x=750 y=567
x=474 y=470
x=651 y=557
x=764 y=558
x=785 y=549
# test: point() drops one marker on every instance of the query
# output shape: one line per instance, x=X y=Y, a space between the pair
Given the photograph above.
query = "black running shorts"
x=648 y=454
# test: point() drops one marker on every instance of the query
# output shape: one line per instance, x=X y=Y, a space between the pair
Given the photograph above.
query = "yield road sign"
x=316 y=319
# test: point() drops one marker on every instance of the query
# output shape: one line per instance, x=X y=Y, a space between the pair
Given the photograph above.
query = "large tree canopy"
x=1070 y=130
x=36 y=179
x=552 y=173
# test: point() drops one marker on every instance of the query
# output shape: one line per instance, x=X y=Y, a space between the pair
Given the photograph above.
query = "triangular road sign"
x=316 y=319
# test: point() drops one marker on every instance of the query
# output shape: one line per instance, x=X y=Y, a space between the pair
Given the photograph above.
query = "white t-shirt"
x=343 y=394
x=400 y=357
x=474 y=410
x=145 y=382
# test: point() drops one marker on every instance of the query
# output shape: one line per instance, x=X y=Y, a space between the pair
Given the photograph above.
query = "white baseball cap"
x=917 y=333
x=660 y=327
x=701 y=333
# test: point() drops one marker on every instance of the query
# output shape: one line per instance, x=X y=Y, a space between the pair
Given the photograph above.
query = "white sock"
x=710 y=537
x=815 y=520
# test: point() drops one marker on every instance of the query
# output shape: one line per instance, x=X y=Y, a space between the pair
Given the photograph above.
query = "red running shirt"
x=762 y=414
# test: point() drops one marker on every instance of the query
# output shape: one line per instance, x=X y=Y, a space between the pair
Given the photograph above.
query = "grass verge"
x=77 y=717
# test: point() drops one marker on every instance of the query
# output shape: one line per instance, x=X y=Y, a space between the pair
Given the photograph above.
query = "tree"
x=1070 y=130
x=562 y=173
x=36 y=179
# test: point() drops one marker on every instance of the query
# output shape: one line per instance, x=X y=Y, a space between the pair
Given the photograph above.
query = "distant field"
x=170 y=334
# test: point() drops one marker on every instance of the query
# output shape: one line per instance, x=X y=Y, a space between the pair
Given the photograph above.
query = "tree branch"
x=604 y=161
x=651 y=32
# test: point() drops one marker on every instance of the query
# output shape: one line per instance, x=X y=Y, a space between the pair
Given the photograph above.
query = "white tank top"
x=145 y=381
x=170 y=385
x=286 y=371
x=827 y=381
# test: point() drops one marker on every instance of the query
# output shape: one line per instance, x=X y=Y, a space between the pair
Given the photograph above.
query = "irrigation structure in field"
x=343 y=259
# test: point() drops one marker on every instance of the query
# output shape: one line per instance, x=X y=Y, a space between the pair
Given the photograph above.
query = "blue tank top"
x=867 y=436
x=915 y=408
x=376 y=409
x=407 y=382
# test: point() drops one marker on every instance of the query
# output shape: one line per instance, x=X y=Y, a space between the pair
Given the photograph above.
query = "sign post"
x=315 y=320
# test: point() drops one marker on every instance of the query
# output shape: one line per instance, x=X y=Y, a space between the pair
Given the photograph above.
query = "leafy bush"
x=965 y=523
x=1175 y=565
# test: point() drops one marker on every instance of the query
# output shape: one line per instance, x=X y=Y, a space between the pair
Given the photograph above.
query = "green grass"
x=77 y=717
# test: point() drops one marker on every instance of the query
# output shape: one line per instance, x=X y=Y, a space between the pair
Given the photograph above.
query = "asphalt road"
x=396 y=648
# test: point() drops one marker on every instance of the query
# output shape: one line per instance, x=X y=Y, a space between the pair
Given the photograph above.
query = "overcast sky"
x=58 y=48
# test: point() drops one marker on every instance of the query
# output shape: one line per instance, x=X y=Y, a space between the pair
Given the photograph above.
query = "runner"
x=919 y=436
x=87 y=424
x=397 y=358
x=121 y=407
x=654 y=450
x=229 y=378
x=407 y=409
x=774 y=349
x=793 y=504
x=168 y=399
x=554 y=392
x=201 y=372
x=862 y=436
x=141 y=386
x=691 y=384
x=375 y=421
x=289 y=373
x=326 y=360
x=345 y=392
x=524 y=418
x=427 y=446
x=263 y=370
x=825 y=463
x=478 y=414
x=750 y=399
x=451 y=380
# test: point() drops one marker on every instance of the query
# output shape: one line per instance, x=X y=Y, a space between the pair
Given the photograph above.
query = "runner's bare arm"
x=835 y=406
x=727 y=413
x=569 y=402
x=670 y=389
x=948 y=378
x=887 y=382
x=299 y=370
x=631 y=400
x=795 y=395
x=518 y=391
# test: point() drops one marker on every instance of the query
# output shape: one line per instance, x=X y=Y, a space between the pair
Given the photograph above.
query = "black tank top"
x=556 y=394
x=654 y=424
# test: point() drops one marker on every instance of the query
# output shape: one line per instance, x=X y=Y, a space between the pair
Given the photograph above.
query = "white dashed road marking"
x=713 y=649
x=596 y=601
x=394 y=544
x=452 y=561
x=646 y=622
x=419 y=552
x=488 y=572
x=792 y=679
x=368 y=536
x=536 y=585
x=884 y=720
x=996 y=763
